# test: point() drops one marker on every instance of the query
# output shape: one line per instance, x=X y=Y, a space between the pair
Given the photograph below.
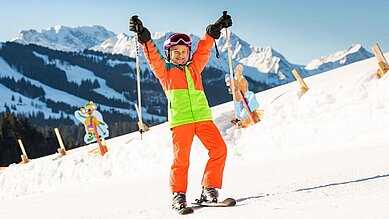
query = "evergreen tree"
x=18 y=127
x=7 y=109
x=96 y=84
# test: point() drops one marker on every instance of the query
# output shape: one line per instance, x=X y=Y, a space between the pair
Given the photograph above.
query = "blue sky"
x=300 y=30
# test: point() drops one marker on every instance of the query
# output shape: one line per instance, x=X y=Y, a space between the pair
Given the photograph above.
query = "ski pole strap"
x=217 y=51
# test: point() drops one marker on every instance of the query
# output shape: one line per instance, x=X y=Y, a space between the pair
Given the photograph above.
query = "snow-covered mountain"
x=260 y=62
x=355 y=53
x=65 y=38
x=320 y=155
x=124 y=44
x=263 y=64
x=119 y=44
x=113 y=76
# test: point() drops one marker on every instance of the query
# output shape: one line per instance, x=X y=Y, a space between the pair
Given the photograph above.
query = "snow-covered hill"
x=321 y=155
x=28 y=105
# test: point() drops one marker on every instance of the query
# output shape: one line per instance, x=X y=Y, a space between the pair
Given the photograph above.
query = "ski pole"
x=140 y=124
x=142 y=127
x=230 y=65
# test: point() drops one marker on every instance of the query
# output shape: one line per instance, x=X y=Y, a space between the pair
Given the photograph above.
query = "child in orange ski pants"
x=210 y=136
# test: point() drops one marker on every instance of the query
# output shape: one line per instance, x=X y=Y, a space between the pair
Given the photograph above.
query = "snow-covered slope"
x=30 y=105
x=321 y=155
x=65 y=38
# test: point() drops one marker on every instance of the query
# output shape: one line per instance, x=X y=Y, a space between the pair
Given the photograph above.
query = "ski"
x=185 y=211
x=228 y=202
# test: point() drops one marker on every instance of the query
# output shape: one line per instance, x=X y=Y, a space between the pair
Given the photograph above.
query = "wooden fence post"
x=24 y=155
x=61 y=150
x=304 y=87
x=382 y=63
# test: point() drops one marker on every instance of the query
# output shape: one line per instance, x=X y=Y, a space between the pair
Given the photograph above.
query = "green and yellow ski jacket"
x=183 y=86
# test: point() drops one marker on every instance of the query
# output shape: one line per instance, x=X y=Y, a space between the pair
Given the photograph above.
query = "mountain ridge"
x=95 y=61
x=259 y=60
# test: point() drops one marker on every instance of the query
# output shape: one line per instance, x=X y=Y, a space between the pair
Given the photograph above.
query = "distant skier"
x=188 y=110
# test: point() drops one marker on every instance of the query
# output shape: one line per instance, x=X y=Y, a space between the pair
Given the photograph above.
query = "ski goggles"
x=177 y=39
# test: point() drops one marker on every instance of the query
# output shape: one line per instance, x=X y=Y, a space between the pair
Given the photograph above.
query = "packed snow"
x=320 y=155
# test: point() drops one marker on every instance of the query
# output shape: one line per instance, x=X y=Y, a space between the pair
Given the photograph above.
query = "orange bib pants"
x=211 y=138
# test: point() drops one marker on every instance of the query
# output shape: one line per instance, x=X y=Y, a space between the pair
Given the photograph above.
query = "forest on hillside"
x=40 y=140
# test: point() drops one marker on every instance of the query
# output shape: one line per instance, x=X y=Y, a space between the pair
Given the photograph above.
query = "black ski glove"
x=137 y=27
x=214 y=30
x=224 y=21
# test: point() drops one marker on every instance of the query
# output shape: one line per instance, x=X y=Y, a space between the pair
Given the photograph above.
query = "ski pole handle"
x=135 y=24
x=135 y=17
x=226 y=21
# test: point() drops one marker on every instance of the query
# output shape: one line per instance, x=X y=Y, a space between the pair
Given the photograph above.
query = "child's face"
x=178 y=54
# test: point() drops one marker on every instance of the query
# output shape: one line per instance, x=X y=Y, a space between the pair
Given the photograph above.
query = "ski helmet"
x=177 y=39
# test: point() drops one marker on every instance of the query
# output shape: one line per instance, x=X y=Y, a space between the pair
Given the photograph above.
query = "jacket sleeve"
x=202 y=53
x=155 y=59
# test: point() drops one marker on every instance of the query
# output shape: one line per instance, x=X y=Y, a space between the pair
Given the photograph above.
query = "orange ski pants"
x=211 y=138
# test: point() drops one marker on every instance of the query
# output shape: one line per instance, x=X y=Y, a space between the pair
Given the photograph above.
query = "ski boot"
x=209 y=194
x=209 y=198
x=179 y=203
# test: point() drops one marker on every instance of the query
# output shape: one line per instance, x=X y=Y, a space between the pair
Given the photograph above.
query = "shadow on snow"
x=314 y=188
